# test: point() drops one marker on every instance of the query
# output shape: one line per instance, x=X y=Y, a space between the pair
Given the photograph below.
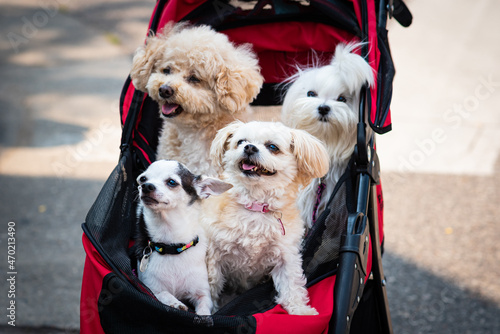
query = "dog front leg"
x=203 y=302
x=168 y=299
x=289 y=282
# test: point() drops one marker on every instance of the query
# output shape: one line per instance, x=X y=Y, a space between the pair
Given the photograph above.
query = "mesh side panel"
x=322 y=244
x=327 y=238
x=111 y=220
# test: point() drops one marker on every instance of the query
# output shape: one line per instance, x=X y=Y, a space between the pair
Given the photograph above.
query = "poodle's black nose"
x=166 y=91
x=250 y=149
x=148 y=188
x=323 y=109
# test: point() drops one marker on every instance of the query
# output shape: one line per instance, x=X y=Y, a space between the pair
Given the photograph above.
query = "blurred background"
x=62 y=67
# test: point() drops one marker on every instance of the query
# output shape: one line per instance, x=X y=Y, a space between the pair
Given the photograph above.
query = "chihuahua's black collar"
x=172 y=249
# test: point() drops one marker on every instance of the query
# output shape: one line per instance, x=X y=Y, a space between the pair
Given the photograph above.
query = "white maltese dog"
x=255 y=229
x=170 y=242
x=324 y=101
x=202 y=82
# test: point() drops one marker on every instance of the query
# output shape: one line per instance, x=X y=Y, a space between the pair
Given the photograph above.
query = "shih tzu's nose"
x=323 y=109
x=148 y=188
x=166 y=91
x=250 y=149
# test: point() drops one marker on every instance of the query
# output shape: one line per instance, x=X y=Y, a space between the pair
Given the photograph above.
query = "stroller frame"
x=361 y=226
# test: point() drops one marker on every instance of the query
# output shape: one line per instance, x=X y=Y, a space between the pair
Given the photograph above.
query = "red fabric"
x=279 y=54
x=277 y=36
x=321 y=295
x=277 y=320
x=127 y=101
x=144 y=138
x=380 y=210
x=144 y=154
x=177 y=10
x=93 y=273
x=374 y=55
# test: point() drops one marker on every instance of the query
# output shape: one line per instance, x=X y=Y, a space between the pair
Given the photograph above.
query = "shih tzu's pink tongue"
x=247 y=166
x=169 y=108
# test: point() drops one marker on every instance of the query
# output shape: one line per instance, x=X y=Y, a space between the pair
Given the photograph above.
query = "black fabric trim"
x=269 y=95
x=256 y=300
x=223 y=16
x=149 y=127
x=131 y=120
x=157 y=15
x=99 y=249
x=366 y=318
x=322 y=277
x=385 y=79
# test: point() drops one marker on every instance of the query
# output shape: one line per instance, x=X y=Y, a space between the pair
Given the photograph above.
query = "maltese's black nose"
x=148 y=188
x=166 y=91
x=250 y=149
x=323 y=110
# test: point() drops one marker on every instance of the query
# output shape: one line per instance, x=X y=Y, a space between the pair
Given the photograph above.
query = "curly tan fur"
x=212 y=83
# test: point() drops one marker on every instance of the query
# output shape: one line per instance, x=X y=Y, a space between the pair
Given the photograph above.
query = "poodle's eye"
x=241 y=141
x=193 y=79
x=273 y=148
x=171 y=183
x=312 y=93
x=143 y=179
x=166 y=70
x=341 y=99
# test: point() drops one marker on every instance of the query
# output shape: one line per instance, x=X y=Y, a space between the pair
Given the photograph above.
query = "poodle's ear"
x=220 y=142
x=239 y=80
x=311 y=155
x=144 y=61
x=146 y=56
x=354 y=69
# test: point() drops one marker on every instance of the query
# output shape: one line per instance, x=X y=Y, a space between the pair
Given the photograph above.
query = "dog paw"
x=167 y=299
x=203 y=311
x=180 y=306
x=301 y=310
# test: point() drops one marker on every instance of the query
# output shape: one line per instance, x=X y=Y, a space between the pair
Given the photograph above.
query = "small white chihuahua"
x=324 y=101
x=255 y=229
x=171 y=243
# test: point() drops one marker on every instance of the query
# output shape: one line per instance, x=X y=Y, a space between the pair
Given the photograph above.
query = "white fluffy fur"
x=172 y=216
x=246 y=247
x=212 y=81
x=344 y=76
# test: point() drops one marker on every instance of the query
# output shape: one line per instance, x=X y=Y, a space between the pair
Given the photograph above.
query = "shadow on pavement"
x=49 y=258
x=421 y=302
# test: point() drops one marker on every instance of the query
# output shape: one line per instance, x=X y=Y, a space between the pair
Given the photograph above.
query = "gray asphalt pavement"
x=62 y=67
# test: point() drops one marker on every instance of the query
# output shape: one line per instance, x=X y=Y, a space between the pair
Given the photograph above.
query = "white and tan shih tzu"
x=324 y=101
x=201 y=81
x=255 y=228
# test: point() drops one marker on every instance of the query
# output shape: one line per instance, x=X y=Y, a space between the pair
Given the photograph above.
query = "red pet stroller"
x=342 y=252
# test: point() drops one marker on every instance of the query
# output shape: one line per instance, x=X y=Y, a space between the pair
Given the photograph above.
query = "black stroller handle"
x=362 y=228
x=399 y=10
